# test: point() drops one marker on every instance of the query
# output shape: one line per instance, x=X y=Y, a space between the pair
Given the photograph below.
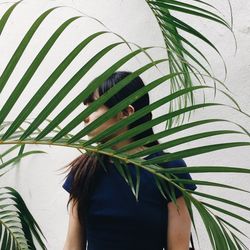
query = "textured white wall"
x=37 y=178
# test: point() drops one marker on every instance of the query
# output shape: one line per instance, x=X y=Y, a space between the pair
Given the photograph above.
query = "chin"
x=89 y=136
x=92 y=134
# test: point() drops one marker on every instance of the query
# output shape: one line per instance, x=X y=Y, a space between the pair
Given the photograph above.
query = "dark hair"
x=129 y=89
x=85 y=168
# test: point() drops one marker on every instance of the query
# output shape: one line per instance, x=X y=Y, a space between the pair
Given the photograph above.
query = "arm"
x=179 y=226
x=75 y=239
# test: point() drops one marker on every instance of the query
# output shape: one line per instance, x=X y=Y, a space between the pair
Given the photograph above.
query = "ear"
x=127 y=112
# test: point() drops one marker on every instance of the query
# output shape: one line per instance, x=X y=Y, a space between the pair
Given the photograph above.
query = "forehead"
x=92 y=97
x=96 y=94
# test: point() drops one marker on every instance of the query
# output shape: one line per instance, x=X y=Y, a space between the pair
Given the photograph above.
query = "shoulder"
x=67 y=185
x=172 y=163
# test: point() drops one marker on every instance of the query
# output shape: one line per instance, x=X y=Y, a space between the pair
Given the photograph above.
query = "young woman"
x=104 y=214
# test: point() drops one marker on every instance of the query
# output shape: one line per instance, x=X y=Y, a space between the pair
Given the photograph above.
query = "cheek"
x=107 y=124
x=95 y=115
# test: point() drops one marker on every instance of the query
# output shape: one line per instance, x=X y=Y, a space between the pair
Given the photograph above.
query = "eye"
x=86 y=103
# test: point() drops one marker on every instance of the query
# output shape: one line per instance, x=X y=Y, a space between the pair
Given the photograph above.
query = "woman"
x=104 y=214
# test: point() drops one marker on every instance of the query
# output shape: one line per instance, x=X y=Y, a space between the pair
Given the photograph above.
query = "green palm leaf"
x=18 y=229
x=6 y=16
x=49 y=83
x=178 y=55
x=160 y=135
x=23 y=131
x=14 y=160
x=19 y=51
x=100 y=102
x=78 y=100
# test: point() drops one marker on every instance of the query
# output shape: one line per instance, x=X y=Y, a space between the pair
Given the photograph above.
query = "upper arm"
x=179 y=225
x=75 y=239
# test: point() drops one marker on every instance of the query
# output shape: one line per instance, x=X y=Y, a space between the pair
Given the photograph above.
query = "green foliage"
x=17 y=225
x=18 y=229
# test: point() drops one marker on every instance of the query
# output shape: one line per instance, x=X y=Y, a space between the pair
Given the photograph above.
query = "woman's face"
x=98 y=113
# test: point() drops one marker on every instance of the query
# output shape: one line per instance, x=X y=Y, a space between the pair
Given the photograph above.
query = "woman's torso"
x=117 y=221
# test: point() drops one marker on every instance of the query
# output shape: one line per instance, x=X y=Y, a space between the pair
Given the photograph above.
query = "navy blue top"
x=116 y=221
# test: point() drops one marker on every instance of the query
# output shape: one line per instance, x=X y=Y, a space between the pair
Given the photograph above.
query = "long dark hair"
x=86 y=167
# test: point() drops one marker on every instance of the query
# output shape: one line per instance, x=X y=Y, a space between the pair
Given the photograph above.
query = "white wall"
x=37 y=178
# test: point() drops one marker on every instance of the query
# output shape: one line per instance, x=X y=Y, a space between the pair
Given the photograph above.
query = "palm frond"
x=178 y=47
x=11 y=162
x=23 y=130
x=6 y=16
x=18 y=228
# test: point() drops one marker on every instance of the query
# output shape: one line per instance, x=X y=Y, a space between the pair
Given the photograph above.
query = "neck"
x=126 y=142
x=131 y=151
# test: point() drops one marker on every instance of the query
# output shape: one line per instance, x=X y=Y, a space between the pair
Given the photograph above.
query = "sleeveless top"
x=116 y=221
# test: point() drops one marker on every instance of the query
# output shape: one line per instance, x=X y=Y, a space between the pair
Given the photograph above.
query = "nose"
x=86 y=120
